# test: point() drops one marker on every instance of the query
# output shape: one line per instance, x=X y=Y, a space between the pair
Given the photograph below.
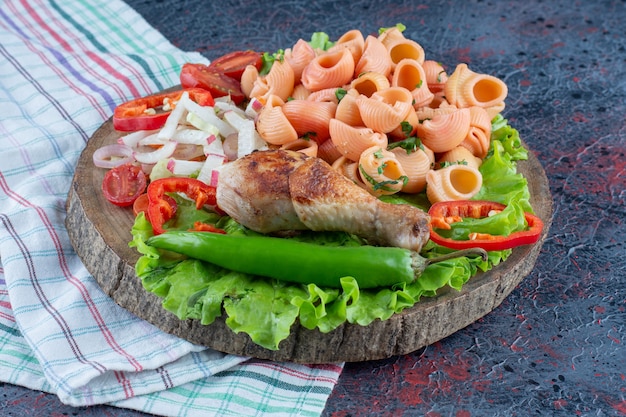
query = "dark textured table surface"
x=557 y=344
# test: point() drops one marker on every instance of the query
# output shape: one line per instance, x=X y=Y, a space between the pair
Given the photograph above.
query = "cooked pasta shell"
x=436 y=75
x=409 y=74
x=368 y=83
x=348 y=111
x=466 y=88
x=405 y=49
x=327 y=94
x=375 y=58
x=416 y=165
x=352 y=40
x=454 y=182
x=351 y=141
x=386 y=109
x=390 y=36
x=381 y=172
x=494 y=110
x=299 y=57
x=330 y=69
x=272 y=124
x=278 y=82
x=328 y=152
x=445 y=131
x=260 y=90
x=300 y=92
x=399 y=132
x=428 y=112
x=310 y=118
x=478 y=137
x=349 y=169
x=248 y=77
x=461 y=155
x=307 y=147
x=280 y=79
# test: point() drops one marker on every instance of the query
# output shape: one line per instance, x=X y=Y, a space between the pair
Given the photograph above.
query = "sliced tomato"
x=123 y=184
x=234 y=63
x=219 y=84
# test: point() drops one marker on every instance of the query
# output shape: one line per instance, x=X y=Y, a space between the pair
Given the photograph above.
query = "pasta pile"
x=361 y=105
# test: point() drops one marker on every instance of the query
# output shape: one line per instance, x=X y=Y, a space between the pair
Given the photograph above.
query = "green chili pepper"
x=300 y=262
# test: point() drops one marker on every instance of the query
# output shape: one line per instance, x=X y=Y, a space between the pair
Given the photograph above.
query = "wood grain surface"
x=100 y=232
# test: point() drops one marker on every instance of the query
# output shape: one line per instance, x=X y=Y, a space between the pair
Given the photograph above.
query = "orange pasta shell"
x=272 y=124
x=386 y=109
x=416 y=165
x=370 y=82
x=375 y=58
x=436 y=75
x=466 y=88
x=380 y=166
x=478 y=137
x=347 y=109
x=352 y=40
x=351 y=141
x=310 y=117
x=307 y=147
x=330 y=69
x=405 y=49
x=299 y=57
x=445 y=131
x=410 y=75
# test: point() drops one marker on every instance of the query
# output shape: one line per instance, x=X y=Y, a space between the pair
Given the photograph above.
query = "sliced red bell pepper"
x=160 y=210
x=442 y=212
x=132 y=116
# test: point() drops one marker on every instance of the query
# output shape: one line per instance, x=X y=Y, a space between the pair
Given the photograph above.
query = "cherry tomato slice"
x=219 y=84
x=234 y=63
x=123 y=184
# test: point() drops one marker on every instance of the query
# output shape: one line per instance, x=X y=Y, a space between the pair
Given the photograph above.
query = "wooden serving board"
x=100 y=232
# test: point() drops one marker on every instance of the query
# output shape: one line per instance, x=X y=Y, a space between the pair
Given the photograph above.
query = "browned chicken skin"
x=271 y=191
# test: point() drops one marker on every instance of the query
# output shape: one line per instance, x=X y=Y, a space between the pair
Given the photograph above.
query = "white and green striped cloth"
x=64 y=66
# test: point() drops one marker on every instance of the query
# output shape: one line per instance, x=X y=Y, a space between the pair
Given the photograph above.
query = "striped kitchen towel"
x=64 y=66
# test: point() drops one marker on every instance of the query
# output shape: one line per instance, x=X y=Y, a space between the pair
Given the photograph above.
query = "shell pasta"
x=381 y=112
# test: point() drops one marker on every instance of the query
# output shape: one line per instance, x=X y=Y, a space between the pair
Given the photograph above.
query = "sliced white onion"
x=207 y=114
x=110 y=156
x=249 y=140
x=191 y=136
x=152 y=140
x=253 y=108
x=132 y=139
x=174 y=119
x=153 y=157
x=208 y=173
x=182 y=167
x=214 y=147
x=229 y=106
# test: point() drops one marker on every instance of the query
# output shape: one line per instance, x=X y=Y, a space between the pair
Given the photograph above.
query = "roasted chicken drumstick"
x=272 y=191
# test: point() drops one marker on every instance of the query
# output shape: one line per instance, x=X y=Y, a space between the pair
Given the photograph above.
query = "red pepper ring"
x=131 y=115
x=478 y=209
x=159 y=208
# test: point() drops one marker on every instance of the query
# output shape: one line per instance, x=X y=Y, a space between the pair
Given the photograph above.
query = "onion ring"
x=110 y=156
